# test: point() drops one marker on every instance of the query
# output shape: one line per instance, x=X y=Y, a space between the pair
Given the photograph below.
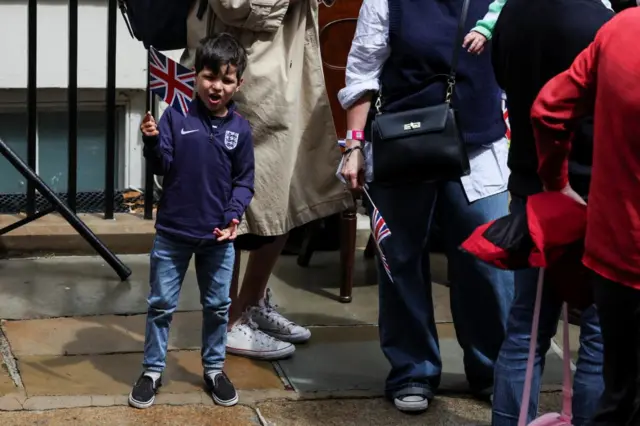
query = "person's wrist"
x=354 y=138
x=350 y=143
x=350 y=149
x=353 y=154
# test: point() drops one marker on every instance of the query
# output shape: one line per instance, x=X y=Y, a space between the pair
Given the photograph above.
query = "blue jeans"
x=170 y=259
x=480 y=294
x=512 y=362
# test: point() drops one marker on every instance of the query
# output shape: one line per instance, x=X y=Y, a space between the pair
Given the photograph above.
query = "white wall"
x=53 y=42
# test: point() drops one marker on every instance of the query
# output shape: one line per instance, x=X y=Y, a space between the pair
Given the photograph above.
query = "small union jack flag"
x=172 y=82
x=380 y=231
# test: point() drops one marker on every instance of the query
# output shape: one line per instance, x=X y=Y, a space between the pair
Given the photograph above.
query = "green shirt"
x=485 y=25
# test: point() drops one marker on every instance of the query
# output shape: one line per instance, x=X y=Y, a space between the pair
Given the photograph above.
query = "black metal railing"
x=32 y=100
x=34 y=183
x=72 y=97
x=149 y=183
x=111 y=198
x=110 y=160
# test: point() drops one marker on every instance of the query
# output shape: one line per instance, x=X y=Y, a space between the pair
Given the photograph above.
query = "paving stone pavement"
x=6 y=383
x=444 y=411
x=192 y=415
x=76 y=334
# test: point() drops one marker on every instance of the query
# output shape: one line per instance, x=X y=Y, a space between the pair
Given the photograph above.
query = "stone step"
x=125 y=234
x=77 y=332
x=85 y=285
x=102 y=355
x=114 y=374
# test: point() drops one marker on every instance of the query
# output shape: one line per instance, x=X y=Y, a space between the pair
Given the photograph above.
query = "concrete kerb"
x=249 y=398
x=261 y=419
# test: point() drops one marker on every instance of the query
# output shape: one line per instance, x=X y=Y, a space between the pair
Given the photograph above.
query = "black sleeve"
x=573 y=36
x=497 y=51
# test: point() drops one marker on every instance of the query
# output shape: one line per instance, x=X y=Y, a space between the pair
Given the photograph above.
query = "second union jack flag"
x=505 y=116
x=380 y=232
x=172 y=82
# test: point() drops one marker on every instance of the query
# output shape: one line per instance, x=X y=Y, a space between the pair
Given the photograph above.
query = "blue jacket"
x=208 y=168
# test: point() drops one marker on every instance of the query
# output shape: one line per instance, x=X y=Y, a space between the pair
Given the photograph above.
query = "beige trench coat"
x=285 y=100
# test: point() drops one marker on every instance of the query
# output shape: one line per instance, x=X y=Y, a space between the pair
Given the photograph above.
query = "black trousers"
x=619 y=311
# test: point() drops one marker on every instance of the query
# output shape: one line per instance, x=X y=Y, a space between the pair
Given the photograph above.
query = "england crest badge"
x=230 y=139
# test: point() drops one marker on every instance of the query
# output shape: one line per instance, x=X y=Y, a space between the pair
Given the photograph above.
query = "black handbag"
x=423 y=144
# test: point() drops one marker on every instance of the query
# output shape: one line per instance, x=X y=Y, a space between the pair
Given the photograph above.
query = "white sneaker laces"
x=267 y=302
x=256 y=335
x=248 y=321
x=273 y=314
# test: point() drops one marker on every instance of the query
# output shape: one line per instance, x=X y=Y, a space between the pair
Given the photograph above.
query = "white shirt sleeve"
x=369 y=51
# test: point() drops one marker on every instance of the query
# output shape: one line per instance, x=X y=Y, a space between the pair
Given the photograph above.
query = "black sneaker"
x=144 y=392
x=221 y=389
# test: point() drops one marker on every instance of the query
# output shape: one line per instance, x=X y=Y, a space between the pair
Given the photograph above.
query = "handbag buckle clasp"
x=451 y=82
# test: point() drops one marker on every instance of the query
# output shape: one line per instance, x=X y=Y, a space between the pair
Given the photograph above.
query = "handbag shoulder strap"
x=451 y=79
x=457 y=47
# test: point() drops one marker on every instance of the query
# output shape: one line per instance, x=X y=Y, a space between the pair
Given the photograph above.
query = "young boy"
x=207 y=162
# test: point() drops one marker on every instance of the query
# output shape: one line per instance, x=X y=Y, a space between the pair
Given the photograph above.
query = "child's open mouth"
x=215 y=99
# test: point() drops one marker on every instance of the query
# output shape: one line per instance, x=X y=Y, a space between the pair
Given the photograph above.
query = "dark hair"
x=221 y=49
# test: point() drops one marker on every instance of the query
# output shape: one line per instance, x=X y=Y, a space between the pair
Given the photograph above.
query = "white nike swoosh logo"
x=183 y=132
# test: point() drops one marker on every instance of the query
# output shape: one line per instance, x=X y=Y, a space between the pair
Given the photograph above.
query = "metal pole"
x=148 y=176
x=120 y=268
x=110 y=161
x=72 y=99
x=32 y=100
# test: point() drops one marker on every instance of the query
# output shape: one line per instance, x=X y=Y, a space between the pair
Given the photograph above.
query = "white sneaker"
x=274 y=324
x=245 y=339
x=411 y=403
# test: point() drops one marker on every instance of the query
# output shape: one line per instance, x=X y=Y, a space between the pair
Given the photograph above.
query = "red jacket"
x=603 y=80
x=549 y=233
